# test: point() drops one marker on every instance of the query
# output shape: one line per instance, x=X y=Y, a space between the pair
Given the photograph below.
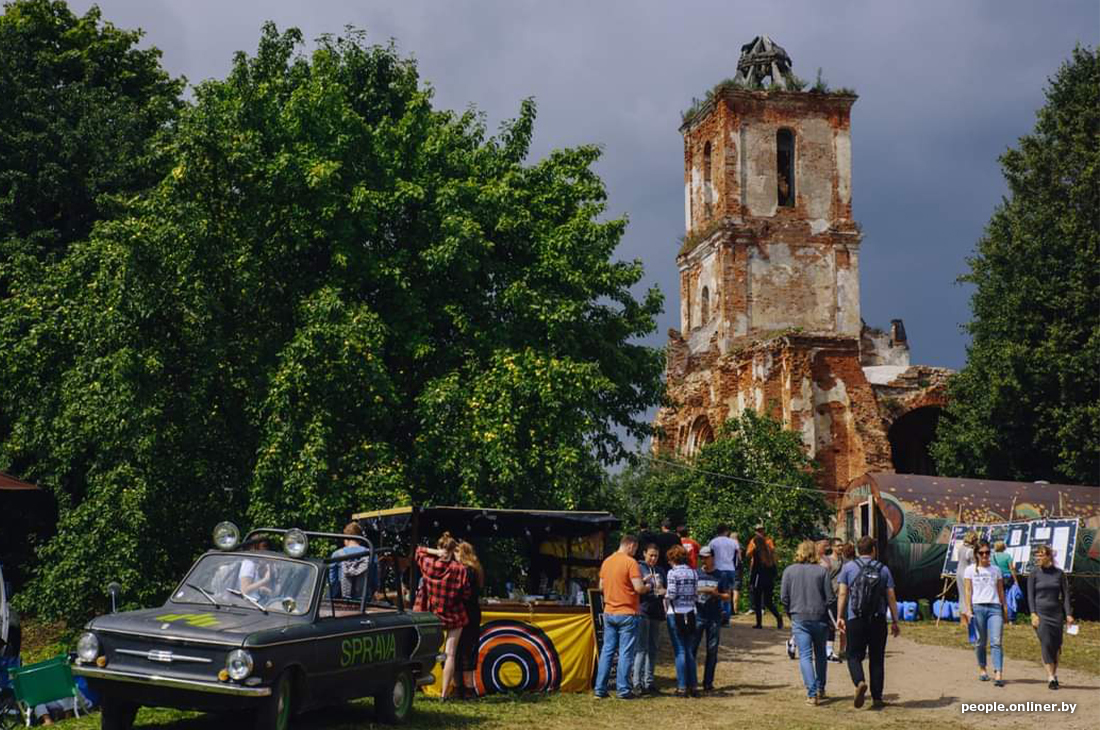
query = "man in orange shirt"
x=622 y=584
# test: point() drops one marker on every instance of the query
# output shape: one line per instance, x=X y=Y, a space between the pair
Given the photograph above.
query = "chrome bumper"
x=193 y=685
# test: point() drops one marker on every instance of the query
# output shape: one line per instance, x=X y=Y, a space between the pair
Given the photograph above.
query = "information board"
x=1021 y=539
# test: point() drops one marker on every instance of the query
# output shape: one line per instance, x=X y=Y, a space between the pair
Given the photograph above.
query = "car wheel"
x=274 y=713
x=116 y=714
x=394 y=705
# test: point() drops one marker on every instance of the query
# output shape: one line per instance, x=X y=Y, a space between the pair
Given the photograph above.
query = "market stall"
x=537 y=631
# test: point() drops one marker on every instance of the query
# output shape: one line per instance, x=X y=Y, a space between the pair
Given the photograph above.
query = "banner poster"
x=529 y=651
x=1021 y=539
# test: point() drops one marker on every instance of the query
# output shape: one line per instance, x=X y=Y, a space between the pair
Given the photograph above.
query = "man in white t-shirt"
x=726 y=551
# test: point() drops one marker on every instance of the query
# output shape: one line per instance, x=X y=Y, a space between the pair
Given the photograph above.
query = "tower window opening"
x=704 y=306
x=784 y=161
x=707 y=193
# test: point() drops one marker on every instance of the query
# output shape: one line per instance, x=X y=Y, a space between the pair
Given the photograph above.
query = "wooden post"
x=1012 y=509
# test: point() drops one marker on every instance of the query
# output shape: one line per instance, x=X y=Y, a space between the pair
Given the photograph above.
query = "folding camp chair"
x=10 y=715
x=48 y=681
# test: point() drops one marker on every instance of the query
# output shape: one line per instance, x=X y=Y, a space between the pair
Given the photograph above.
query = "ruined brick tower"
x=769 y=284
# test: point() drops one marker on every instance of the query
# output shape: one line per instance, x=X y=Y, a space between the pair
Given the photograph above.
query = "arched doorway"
x=701 y=434
x=910 y=437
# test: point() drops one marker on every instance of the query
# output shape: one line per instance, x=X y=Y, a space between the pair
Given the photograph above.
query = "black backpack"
x=868 y=590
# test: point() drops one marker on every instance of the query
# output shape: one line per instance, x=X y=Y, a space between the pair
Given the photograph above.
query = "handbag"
x=685 y=623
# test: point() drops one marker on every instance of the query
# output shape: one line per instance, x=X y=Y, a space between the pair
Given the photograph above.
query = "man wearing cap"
x=713 y=588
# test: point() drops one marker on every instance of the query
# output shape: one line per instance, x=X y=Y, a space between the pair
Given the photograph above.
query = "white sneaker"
x=791 y=653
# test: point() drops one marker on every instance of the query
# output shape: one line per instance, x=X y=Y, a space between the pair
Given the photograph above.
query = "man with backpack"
x=866 y=587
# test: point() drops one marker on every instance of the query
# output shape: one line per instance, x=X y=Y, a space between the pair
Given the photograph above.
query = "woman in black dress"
x=468 y=643
x=1048 y=598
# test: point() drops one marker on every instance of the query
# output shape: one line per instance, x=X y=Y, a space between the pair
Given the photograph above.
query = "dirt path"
x=923 y=683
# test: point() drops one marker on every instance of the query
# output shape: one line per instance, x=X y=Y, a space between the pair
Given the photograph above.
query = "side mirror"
x=289 y=605
x=114 y=590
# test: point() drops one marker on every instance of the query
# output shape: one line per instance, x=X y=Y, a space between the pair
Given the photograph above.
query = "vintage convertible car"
x=257 y=630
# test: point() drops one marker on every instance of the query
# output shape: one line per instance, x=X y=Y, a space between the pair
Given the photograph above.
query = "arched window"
x=784 y=163
x=704 y=306
x=707 y=194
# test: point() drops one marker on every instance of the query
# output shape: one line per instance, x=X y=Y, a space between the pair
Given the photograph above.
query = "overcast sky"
x=945 y=87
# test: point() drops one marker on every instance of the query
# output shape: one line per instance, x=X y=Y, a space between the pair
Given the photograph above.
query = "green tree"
x=754 y=471
x=81 y=107
x=337 y=299
x=1027 y=404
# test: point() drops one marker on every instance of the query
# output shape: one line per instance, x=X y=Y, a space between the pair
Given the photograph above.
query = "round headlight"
x=295 y=543
x=226 y=536
x=87 y=647
x=238 y=664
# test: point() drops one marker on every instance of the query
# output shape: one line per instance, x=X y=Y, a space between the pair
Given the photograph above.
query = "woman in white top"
x=984 y=604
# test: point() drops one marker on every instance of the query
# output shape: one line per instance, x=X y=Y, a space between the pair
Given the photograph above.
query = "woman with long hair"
x=762 y=572
x=444 y=591
x=984 y=607
x=468 y=643
x=1048 y=598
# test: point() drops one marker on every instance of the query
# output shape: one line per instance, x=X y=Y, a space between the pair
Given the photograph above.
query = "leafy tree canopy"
x=1027 y=404
x=338 y=298
x=754 y=471
x=81 y=105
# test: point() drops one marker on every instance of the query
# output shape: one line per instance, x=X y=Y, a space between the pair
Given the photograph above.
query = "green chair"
x=48 y=681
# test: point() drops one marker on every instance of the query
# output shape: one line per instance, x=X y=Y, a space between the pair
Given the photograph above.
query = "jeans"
x=734 y=585
x=990 y=621
x=645 y=653
x=810 y=637
x=619 y=634
x=684 y=649
x=712 y=629
x=867 y=636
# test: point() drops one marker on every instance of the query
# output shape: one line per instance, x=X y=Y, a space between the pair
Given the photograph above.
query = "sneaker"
x=790 y=649
x=682 y=693
x=1052 y=684
x=877 y=704
x=651 y=690
x=834 y=658
x=861 y=694
x=821 y=694
x=998 y=683
x=628 y=696
x=598 y=696
x=812 y=701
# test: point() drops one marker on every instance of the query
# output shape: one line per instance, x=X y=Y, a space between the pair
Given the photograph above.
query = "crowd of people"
x=840 y=599
x=667 y=581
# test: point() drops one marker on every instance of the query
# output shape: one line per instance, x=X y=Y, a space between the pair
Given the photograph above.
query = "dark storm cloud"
x=945 y=87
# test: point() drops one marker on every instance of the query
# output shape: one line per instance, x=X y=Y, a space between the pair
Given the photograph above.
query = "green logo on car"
x=368 y=649
x=198 y=620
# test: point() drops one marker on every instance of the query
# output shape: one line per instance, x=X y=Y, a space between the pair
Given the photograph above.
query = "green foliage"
x=337 y=298
x=81 y=104
x=1027 y=404
x=754 y=471
x=793 y=84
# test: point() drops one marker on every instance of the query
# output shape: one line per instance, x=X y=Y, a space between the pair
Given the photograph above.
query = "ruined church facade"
x=769 y=286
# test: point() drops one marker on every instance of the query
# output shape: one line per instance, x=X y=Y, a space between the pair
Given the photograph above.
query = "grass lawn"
x=751 y=691
x=1080 y=652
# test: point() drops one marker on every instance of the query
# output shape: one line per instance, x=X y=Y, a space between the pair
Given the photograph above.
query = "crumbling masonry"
x=769 y=286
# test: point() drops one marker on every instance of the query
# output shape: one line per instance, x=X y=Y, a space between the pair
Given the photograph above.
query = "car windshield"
x=259 y=581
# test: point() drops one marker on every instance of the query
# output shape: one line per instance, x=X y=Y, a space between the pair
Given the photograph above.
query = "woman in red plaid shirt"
x=444 y=590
